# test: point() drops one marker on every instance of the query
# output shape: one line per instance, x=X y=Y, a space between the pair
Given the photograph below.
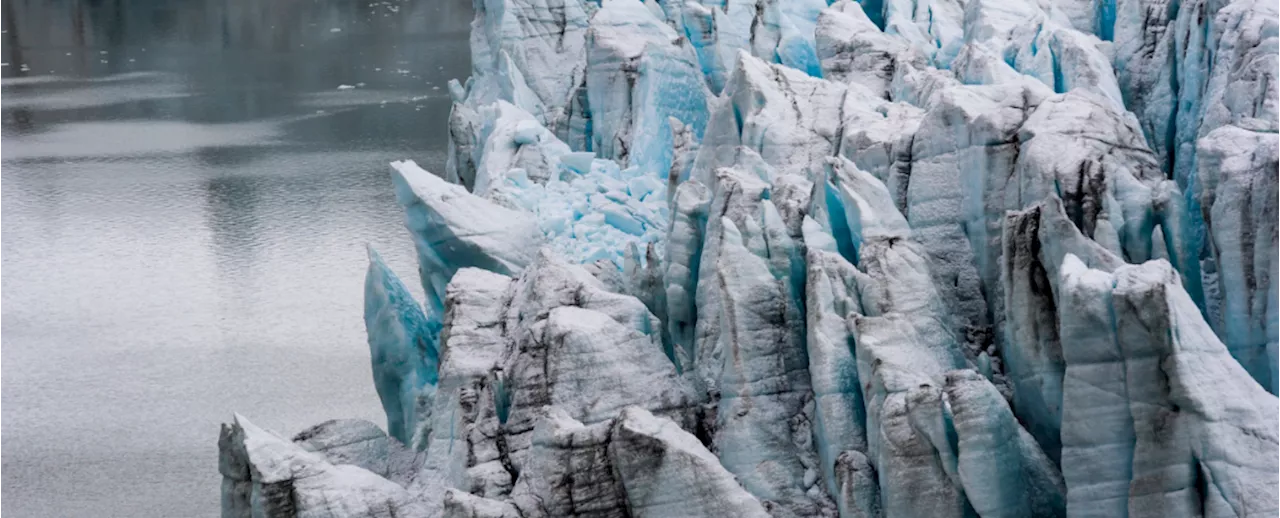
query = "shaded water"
x=185 y=196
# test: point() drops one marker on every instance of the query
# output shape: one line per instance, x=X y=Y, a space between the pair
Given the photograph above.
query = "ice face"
x=781 y=115
x=853 y=50
x=1176 y=376
x=765 y=409
x=510 y=139
x=875 y=259
x=509 y=44
x=1236 y=176
x=639 y=72
x=402 y=347
x=831 y=293
x=773 y=30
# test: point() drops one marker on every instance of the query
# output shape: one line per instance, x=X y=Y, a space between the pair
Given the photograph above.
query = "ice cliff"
x=893 y=258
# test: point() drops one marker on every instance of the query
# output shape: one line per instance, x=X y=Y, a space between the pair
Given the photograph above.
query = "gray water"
x=185 y=199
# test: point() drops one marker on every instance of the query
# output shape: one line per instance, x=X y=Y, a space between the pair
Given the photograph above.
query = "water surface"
x=185 y=196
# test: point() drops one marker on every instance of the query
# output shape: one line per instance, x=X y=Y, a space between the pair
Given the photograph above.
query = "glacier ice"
x=402 y=347
x=639 y=73
x=1190 y=431
x=884 y=258
x=266 y=475
x=1237 y=173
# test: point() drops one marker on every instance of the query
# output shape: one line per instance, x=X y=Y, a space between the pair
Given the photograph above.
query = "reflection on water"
x=186 y=199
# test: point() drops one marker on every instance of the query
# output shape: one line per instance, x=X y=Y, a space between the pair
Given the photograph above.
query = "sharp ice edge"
x=768 y=258
x=402 y=348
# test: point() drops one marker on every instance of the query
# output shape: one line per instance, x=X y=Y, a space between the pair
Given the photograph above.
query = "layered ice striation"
x=870 y=259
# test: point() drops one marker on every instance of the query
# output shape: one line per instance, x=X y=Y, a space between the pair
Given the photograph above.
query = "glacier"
x=799 y=258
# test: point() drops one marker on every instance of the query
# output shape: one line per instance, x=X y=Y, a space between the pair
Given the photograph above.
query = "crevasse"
x=894 y=258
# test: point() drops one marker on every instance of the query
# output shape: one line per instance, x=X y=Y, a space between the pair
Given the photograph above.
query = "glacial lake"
x=186 y=197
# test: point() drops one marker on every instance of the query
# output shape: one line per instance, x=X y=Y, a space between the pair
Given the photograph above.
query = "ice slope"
x=447 y=234
x=880 y=259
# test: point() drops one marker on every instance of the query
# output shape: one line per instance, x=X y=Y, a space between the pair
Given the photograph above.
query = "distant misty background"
x=186 y=197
